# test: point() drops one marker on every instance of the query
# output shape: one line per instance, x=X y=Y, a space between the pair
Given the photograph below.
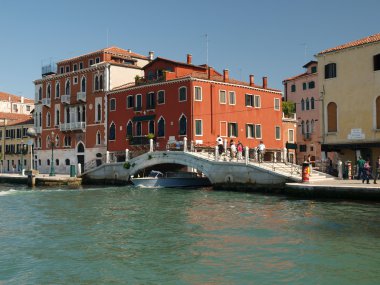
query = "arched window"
x=56 y=143
x=161 y=127
x=40 y=122
x=312 y=103
x=151 y=127
x=302 y=127
x=67 y=115
x=83 y=113
x=312 y=126
x=302 y=104
x=307 y=104
x=129 y=129
x=182 y=125
x=48 y=119
x=307 y=127
x=57 y=162
x=138 y=129
x=96 y=82
x=57 y=90
x=48 y=91
x=57 y=118
x=99 y=112
x=67 y=87
x=83 y=84
x=40 y=93
x=332 y=122
x=48 y=142
x=80 y=148
x=67 y=161
x=78 y=114
x=48 y=162
x=98 y=141
x=101 y=82
x=378 y=112
x=182 y=93
x=67 y=141
x=112 y=134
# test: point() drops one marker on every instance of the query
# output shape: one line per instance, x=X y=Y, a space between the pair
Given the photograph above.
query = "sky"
x=264 y=38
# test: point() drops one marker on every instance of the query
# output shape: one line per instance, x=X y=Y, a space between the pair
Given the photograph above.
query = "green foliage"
x=127 y=165
x=150 y=136
x=288 y=107
x=149 y=156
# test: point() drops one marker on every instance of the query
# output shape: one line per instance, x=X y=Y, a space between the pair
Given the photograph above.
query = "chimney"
x=251 y=80
x=189 y=58
x=22 y=99
x=226 y=76
x=265 y=82
x=151 y=55
x=209 y=72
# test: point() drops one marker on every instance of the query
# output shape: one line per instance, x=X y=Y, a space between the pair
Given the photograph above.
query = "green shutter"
x=229 y=129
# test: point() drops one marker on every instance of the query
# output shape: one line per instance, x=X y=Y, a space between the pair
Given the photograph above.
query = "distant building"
x=302 y=90
x=71 y=105
x=175 y=100
x=15 y=104
x=289 y=137
x=349 y=84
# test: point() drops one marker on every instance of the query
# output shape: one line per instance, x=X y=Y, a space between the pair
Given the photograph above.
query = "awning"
x=143 y=118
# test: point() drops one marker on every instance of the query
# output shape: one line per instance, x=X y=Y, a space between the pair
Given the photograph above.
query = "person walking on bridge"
x=261 y=151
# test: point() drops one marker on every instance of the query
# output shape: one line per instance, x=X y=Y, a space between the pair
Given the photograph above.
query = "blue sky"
x=264 y=38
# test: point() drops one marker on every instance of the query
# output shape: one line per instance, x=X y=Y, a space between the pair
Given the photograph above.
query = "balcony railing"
x=65 y=99
x=81 y=96
x=73 y=126
x=46 y=101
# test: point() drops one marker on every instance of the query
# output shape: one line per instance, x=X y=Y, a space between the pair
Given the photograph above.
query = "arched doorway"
x=80 y=155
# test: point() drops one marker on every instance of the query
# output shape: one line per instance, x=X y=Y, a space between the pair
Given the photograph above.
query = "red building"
x=175 y=100
x=70 y=105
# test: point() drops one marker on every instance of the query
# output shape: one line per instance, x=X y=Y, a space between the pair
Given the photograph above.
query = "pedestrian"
x=377 y=170
x=360 y=165
x=261 y=151
x=219 y=142
x=367 y=171
x=308 y=160
x=240 y=150
x=233 y=150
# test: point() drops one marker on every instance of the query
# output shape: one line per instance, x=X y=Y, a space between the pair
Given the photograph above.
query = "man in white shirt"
x=261 y=151
x=219 y=141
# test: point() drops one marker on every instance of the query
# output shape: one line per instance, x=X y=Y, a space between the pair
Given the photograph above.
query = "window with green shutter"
x=304 y=86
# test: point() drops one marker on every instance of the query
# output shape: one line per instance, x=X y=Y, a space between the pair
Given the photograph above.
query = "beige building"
x=349 y=85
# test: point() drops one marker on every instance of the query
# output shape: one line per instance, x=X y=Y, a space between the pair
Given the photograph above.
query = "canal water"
x=176 y=236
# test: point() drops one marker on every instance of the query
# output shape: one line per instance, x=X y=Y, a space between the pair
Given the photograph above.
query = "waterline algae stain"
x=173 y=236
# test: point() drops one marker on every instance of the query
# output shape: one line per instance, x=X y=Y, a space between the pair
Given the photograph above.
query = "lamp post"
x=31 y=132
x=52 y=170
x=22 y=156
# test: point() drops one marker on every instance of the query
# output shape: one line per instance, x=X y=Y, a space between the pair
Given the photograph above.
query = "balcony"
x=46 y=102
x=81 y=96
x=307 y=136
x=65 y=99
x=73 y=126
x=38 y=130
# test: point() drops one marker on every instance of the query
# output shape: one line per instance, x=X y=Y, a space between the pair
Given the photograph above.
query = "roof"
x=202 y=67
x=13 y=118
x=296 y=76
x=26 y=121
x=110 y=50
x=14 y=98
x=363 y=41
x=310 y=63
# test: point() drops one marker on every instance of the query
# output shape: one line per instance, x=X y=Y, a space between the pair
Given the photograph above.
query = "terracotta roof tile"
x=14 y=98
x=296 y=76
x=363 y=41
x=13 y=118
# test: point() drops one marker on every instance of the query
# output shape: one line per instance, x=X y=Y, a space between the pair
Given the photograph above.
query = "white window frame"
x=159 y=119
x=253 y=130
x=55 y=89
x=195 y=93
x=291 y=131
x=237 y=129
x=229 y=97
x=75 y=80
x=261 y=131
x=279 y=133
x=277 y=100
x=225 y=131
x=253 y=100
x=225 y=97
x=259 y=101
x=98 y=134
x=48 y=121
x=138 y=95
x=195 y=127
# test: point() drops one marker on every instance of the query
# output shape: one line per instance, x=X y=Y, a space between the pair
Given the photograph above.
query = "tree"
x=288 y=107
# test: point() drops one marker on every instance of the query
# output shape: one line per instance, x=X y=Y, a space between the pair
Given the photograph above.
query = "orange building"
x=175 y=100
x=71 y=105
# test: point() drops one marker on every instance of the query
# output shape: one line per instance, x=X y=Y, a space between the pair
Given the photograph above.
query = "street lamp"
x=22 y=156
x=31 y=132
x=52 y=170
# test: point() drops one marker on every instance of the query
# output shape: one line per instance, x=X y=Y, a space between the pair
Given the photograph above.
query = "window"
x=307 y=127
x=150 y=101
x=90 y=62
x=48 y=91
x=302 y=105
x=98 y=138
x=40 y=93
x=83 y=84
x=198 y=128
x=98 y=112
x=57 y=162
x=303 y=148
x=67 y=68
x=138 y=102
x=277 y=104
x=161 y=97
x=277 y=132
x=113 y=104
x=232 y=98
x=62 y=70
x=258 y=131
x=376 y=62
x=311 y=84
x=304 y=86
x=257 y=101
x=250 y=130
x=197 y=93
x=182 y=94
x=332 y=125
x=67 y=87
x=75 y=79
x=48 y=162
x=378 y=113
x=249 y=100
x=97 y=60
x=80 y=65
x=151 y=127
x=293 y=88
x=67 y=162
x=182 y=125
x=291 y=136
x=57 y=90
x=232 y=129
x=307 y=104
x=222 y=97
x=330 y=70
x=302 y=127
x=96 y=83
x=101 y=82
x=67 y=141
x=129 y=129
x=112 y=134
x=48 y=119
x=312 y=126
x=57 y=118
x=313 y=69
x=130 y=102
x=75 y=67
x=312 y=103
x=48 y=142
x=161 y=127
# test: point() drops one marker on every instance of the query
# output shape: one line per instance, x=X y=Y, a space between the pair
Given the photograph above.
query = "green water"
x=167 y=236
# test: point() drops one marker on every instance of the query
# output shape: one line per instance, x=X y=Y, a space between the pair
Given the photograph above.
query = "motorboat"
x=171 y=180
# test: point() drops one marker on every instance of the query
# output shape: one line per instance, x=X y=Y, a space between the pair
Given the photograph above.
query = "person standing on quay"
x=367 y=171
x=360 y=164
x=261 y=151
x=377 y=170
x=219 y=141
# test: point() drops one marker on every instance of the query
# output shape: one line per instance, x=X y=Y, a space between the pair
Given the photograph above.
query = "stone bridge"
x=218 y=170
